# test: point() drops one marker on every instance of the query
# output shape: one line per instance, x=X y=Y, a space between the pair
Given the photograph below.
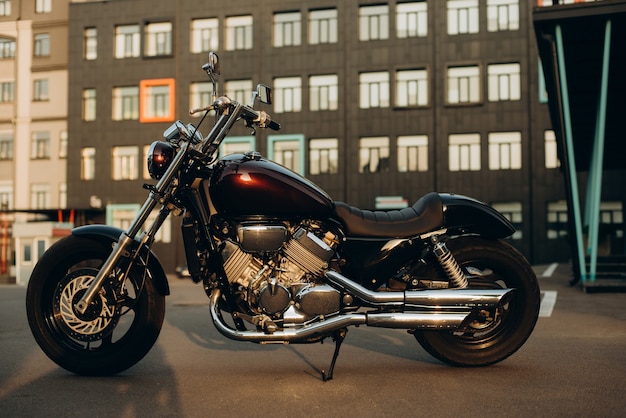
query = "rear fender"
x=112 y=234
x=471 y=216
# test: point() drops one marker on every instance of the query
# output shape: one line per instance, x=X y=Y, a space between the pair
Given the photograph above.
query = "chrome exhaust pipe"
x=440 y=298
x=433 y=319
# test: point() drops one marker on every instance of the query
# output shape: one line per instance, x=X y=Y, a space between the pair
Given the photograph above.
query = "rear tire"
x=114 y=333
x=486 y=342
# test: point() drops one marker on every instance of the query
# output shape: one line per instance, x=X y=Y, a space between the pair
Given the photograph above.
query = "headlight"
x=160 y=157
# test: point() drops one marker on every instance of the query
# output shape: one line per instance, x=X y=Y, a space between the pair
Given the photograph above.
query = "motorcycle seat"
x=425 y=215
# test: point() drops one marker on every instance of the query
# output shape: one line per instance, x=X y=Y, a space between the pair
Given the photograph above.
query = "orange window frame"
x=144 y=85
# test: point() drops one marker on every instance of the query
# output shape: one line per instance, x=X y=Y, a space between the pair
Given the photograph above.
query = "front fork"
x=122 y=247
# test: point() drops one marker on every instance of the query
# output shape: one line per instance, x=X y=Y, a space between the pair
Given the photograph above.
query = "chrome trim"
x=441 y=298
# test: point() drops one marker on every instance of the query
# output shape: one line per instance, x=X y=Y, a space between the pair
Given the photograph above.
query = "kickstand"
x=338 y=338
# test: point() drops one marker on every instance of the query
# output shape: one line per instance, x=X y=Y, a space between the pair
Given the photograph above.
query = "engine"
x=277 y=270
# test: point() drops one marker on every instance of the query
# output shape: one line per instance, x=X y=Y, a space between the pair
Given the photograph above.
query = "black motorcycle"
x=281 y=262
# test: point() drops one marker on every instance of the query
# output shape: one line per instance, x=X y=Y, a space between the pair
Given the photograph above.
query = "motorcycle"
x=281 y=262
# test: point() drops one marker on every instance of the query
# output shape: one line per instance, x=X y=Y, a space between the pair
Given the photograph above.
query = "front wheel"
x=119 y=327
x=494 y=334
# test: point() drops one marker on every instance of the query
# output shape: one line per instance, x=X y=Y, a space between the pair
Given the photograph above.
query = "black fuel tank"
x=249 y=185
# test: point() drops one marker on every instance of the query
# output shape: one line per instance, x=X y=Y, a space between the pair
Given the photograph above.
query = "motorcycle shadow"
x=193 y=321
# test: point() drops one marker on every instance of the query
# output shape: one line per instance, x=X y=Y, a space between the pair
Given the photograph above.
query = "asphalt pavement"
x=573 y=365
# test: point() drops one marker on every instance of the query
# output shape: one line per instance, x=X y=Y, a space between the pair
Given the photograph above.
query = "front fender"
x=472 y=216
x=112 y=234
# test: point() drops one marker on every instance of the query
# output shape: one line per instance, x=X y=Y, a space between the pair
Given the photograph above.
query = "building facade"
x=379 y=102
x=33 y=119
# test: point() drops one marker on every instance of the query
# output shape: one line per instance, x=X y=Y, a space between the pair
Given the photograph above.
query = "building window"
x=323 y=92
x=287 y=29
x=40 y=146
x=90 y=44
x=239 y=90
x=158 y=39
x=374 y=154
x=412 y=153
x=204 y=35
x=464 y=84
x=89 y=104
x=556 y=220
x=287 y=94
x=127 y=41
x=504 y=82
x=323 y=156
x=505 y=150
x=373 y=22
x=7 y=92
x=63 y=145
x=374 y=90
x=157 y=100
x=411 y=88
x=6 y=146
x=126 y=103
x=286 y=150
x=550 y=148
x=40 y=90
x=42 y=45
x=412 y=19
x=125 y=163
x=464 y=152
x=43 y=6
x=513 y=212
x=7 y=48
x=323 y=26
x=237 y=145
x=39 y=196
x=462 y=16
x=5 y=7
x=63 y=195
x=6 y=195
x=200 y=95
x=88 y=163
x=502 y=15
x=239 y=33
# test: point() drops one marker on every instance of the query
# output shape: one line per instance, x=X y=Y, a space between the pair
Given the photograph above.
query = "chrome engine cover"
x=273 y=271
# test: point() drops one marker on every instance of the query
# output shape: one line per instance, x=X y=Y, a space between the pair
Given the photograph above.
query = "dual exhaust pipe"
x=439 y=309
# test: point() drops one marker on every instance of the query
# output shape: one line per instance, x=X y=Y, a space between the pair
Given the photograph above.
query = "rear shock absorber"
x=448 y=263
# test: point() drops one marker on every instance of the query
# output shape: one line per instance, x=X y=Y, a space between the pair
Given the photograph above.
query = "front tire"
x=116 y=331
x=500 y=333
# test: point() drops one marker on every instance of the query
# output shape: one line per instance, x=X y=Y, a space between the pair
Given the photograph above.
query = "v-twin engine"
x=277 y=272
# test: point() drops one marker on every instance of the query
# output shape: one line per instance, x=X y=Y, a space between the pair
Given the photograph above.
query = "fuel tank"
x=248 y=185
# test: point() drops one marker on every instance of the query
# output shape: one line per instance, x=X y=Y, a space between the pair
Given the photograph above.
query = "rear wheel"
x=493 y=334
x=118 y=328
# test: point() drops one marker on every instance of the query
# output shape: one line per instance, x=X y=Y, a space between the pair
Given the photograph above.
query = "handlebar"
x=254 y=117
x=260 y=118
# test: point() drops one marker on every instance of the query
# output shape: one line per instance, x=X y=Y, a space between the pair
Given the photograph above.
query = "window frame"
x=367 y=80
x=323 y=22
x=464 y=152
x=286 y=33
x=146 y=100
x=120 y=98
x=323 y=149
x=158 y=39
x=366 y=146
x=474 y=89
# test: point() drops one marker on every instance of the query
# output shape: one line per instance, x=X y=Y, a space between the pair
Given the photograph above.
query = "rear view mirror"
x=213 y=66
x=264 y=93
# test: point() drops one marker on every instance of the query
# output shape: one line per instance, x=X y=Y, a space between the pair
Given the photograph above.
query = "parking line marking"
x=547 y=303
x=550 y=270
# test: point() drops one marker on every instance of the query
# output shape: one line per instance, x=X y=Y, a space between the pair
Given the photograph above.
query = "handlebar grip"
x=273 y=125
